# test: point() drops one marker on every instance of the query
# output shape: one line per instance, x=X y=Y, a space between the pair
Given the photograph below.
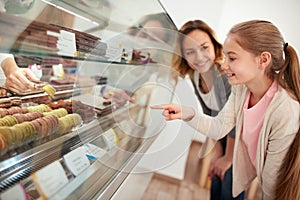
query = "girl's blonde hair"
x=257 y=36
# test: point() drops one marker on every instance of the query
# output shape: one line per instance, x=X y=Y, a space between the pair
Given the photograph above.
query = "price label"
x=50 y=179
x=93 y=152
x=76 y=161
x=66 y=43
x=111 y=138
x=58 y=71
x=17 y=192
x=114 y=52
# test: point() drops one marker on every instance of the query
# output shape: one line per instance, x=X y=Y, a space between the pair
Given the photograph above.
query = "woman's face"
x=240 y=65
x=152 y=30
x=198 y=50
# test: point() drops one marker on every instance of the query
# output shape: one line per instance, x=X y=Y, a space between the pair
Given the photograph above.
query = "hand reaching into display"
x=116 y=96
x=19 y=80
x=175 y=111
x=120 y=97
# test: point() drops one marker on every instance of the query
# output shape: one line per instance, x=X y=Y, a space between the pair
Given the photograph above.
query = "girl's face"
x=198 y=50
x=240 y=66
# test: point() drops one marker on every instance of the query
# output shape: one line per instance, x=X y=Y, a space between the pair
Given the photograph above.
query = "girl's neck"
x=258 y=90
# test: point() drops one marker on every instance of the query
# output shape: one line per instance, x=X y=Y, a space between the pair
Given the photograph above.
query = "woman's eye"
x=188 y=53
x=231 y=59
x=142 y=34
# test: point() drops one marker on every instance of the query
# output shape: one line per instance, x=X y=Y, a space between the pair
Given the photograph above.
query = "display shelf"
x=15 y=167
x=89 y=39
x=98 y=12
x=37 y=54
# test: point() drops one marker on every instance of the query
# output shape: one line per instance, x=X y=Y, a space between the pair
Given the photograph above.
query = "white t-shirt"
x=2 y=75
x=210 y=98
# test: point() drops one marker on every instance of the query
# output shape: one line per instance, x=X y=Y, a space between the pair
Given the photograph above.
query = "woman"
x=200 y=56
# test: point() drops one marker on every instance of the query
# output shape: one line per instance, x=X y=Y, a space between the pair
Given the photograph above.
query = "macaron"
x=7 y=133
x=15 y=101
x=5 y=103
x=50 y=90
x=3 y=142
x=3 y=112
x=8 y=120
x=37 y=126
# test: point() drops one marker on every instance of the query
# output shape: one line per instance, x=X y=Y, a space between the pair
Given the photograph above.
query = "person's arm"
x=113 y=94
x=223 y=163
x=8 y=65
x=17 y=79
x=214 y=127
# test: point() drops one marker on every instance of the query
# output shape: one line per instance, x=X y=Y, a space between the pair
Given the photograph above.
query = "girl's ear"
x=265 y=59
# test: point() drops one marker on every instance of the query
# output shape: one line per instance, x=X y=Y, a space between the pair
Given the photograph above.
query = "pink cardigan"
x=277 y=133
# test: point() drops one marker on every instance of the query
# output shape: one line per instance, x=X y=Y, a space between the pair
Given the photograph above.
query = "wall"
x=223 y=14
x=168 y=153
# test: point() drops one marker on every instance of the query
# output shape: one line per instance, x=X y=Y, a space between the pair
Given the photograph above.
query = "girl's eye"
x=229 y=59
x=204 y=47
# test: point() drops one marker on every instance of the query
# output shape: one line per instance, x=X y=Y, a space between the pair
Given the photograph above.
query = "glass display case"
x=80 y=133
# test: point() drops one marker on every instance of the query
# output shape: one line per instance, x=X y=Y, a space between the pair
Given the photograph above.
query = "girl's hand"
x=175 y=111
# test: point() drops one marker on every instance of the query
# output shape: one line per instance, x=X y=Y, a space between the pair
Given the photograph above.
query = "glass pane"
x=107 y=62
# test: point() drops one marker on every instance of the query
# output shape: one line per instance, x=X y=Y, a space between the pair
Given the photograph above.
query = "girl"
x=264 y=107
x=200 y=56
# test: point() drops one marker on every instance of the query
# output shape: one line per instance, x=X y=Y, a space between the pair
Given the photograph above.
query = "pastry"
x=40 y=108
x=15 y=101
x=3 y=142
x=5 y=103
x=49 y=90
x=3 y=112
x=7 y=133
x=69 y=121
x=37 y=126
x=60 y=112
x=3 y=92
x=8 y=121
